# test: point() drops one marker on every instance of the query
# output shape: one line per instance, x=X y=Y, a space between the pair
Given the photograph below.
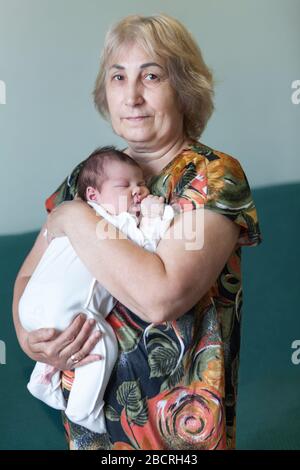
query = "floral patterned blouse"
x=174 y=385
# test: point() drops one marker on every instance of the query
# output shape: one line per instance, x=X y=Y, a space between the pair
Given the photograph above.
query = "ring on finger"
x=74 y=359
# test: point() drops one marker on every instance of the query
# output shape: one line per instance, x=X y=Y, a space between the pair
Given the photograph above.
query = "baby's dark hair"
x=92 y=172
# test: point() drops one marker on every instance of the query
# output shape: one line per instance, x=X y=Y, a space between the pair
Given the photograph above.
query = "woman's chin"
x=137 y=136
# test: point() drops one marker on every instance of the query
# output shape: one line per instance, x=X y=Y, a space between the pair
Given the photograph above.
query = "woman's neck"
x=152 y=162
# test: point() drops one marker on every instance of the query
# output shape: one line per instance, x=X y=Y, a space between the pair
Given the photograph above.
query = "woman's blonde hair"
x=164 y=37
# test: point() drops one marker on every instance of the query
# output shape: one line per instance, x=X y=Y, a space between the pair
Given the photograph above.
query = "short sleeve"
x=66 y=191
x=229 y=194
x=206 y=178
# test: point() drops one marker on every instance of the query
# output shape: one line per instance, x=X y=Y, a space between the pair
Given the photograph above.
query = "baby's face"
x=123 y=188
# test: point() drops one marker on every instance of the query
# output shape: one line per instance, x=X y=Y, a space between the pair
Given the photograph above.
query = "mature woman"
x=174 y=385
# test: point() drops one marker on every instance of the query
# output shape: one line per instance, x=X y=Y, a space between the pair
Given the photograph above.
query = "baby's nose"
x=136 y=194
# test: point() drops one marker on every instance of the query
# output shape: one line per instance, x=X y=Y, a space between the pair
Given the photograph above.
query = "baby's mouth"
x=135 y=209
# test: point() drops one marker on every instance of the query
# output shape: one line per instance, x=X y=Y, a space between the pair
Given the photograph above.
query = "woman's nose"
x=134 y=95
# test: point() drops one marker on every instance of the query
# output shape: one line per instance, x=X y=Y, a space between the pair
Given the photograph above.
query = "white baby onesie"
x=60 y=288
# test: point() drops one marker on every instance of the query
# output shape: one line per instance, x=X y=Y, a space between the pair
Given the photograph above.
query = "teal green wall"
x=49 y=52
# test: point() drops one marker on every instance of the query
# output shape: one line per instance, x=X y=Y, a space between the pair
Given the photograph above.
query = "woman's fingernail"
x=92 y=322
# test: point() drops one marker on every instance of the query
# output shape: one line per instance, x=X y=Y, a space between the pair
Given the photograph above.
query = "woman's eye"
x=151 y=77
x=117 y=77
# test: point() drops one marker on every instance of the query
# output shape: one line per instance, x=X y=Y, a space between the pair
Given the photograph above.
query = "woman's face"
x=142 y=104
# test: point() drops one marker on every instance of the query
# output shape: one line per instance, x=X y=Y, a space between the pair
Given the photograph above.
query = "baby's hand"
x=152 y=206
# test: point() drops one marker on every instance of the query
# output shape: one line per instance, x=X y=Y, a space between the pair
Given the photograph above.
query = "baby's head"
x=114 y=180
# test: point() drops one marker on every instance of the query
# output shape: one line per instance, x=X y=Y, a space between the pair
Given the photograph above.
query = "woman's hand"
x=58 y=218
x=67 y=350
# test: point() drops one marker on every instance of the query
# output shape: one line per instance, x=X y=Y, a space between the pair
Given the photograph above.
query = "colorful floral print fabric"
x=174 y=385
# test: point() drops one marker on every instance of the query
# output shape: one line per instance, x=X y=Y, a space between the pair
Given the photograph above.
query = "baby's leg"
x=85 y=404
x=45 y=384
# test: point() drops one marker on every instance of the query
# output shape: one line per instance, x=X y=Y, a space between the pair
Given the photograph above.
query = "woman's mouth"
x=136 y=118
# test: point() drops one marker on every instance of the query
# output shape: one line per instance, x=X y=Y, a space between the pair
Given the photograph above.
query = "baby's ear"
x=90 y=193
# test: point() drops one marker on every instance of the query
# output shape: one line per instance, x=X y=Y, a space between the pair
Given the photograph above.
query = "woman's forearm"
x=157 y=286
x=131 y=274
x=29 y=265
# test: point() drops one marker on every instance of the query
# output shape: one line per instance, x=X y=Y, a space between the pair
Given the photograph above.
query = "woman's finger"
x=55 y=221
x=87 y=360
x=68 y=336
x=89 y=345
x=82 y=357
x=84 y=343
x=49 y=237
x=37 y=338
x=78 y=340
